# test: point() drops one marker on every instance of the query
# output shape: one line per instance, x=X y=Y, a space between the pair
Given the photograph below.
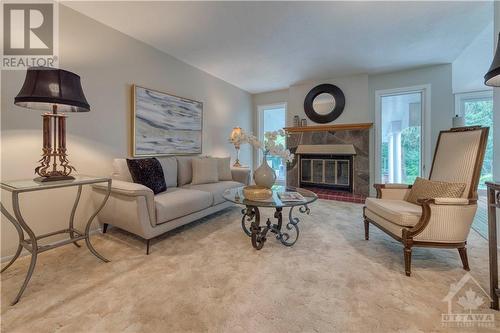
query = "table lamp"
x=235 y=139
x=55 y=90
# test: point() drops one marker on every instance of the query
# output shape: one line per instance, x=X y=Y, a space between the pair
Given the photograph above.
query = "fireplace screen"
x=325 y=171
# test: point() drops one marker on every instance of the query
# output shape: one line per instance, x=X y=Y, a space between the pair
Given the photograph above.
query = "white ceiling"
x=264 y=46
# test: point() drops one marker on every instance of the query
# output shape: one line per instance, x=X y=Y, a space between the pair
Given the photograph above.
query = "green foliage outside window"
x=480 y=112
x=410 y=146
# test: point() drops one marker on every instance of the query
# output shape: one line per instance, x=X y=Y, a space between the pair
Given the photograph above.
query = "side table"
x=493 y=204
x=17 y=187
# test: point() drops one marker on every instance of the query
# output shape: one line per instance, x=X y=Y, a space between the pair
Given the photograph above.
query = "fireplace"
x=328 y=166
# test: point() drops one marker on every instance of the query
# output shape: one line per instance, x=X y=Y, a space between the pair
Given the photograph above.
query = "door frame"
x=425 y=90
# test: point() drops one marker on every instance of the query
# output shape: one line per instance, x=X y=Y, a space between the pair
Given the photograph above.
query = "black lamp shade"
x=492 y=78
x=45 y=87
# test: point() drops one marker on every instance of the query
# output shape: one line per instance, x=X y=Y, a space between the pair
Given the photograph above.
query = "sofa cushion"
x=148 y=172
x=205 y=170
x=185 y=170
x=224 y=168
x=169 y=166
x=178 y=202
x=216 y=189
x=399 y=212
x=120 y=170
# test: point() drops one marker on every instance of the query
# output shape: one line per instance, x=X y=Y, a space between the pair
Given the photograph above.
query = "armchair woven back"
x=459 y=157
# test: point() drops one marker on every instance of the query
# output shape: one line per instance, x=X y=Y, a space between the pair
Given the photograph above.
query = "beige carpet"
x=206 y=277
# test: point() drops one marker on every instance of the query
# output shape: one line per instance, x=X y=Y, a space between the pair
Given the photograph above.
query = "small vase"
x=264 y=175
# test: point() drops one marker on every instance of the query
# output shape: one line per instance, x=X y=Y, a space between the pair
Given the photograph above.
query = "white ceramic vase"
x=264 y=175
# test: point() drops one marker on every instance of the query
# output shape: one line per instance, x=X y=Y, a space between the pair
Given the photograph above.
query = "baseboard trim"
x=25 y=252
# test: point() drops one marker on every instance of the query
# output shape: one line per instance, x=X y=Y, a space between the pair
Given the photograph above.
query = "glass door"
x=273 y=118
x=400 y=137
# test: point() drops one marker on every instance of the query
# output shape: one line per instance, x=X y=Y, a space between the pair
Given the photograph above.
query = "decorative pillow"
x=184 y=170
x=224 y=168
x=427 y=189
x=205 y=170
x=148 y=172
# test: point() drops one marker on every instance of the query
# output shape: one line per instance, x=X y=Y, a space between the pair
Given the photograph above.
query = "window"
x=477 y=109
x=273 y=118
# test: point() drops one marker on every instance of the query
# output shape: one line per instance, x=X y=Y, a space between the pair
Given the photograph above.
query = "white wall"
x=360 y=90
x=470 y=67
x=355 y=89
x=109 y=62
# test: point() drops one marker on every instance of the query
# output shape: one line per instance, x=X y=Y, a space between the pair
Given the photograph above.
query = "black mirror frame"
x=331 y=89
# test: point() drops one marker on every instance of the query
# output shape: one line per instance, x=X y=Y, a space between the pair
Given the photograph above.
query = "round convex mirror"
x=324 y=103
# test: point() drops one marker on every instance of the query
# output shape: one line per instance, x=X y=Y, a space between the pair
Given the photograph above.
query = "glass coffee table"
x=250 y=221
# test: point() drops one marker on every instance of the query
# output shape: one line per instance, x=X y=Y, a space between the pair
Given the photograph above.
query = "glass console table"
x=493 y=205
x=16 y=187
x=250 y=221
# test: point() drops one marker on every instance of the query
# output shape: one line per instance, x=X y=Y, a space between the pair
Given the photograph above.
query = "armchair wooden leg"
x=407 y=252
x=463 y=255
x=147 y=246
x=367 y=229
x=104 y=228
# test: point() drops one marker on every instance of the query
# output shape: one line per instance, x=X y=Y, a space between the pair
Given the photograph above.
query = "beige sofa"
x=134 y=208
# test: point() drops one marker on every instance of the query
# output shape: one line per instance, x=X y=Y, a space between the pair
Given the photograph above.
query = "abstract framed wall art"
x=165 y=124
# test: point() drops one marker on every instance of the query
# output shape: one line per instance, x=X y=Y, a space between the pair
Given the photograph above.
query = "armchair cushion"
x=400 y=212
x=426 y=189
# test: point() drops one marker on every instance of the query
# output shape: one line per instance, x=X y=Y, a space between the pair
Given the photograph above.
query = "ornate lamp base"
x=237 y=162
x=54 y=164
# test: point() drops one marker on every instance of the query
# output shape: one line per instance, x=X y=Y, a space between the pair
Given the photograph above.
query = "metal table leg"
x=72 y=216
x=32 y=240
x=89 y=223
x=19 y=232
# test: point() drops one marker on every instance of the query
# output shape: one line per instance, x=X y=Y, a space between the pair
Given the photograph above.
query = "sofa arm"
x=126 y=188
x=392 y=191
x=241 y=175
x=126 y=192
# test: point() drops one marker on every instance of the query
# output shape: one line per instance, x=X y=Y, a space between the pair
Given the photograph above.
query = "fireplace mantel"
x=323 y=128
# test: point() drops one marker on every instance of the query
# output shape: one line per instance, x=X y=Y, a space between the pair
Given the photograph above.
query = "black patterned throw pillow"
x=148 y=172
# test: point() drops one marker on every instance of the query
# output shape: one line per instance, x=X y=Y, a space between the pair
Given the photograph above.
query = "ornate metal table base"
x=31 y=243
x=250 y=223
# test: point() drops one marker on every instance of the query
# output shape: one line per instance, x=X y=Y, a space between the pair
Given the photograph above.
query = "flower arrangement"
x=270 y=146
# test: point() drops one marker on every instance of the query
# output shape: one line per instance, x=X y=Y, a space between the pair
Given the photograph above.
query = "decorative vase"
x=264 y=175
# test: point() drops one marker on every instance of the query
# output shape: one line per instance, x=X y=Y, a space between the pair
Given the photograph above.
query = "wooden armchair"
x=437 y=222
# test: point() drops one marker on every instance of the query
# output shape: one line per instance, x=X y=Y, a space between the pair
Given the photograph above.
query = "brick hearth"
x=328 y=194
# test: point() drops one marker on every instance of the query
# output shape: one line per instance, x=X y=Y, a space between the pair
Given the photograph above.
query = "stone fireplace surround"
x=356 y=134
